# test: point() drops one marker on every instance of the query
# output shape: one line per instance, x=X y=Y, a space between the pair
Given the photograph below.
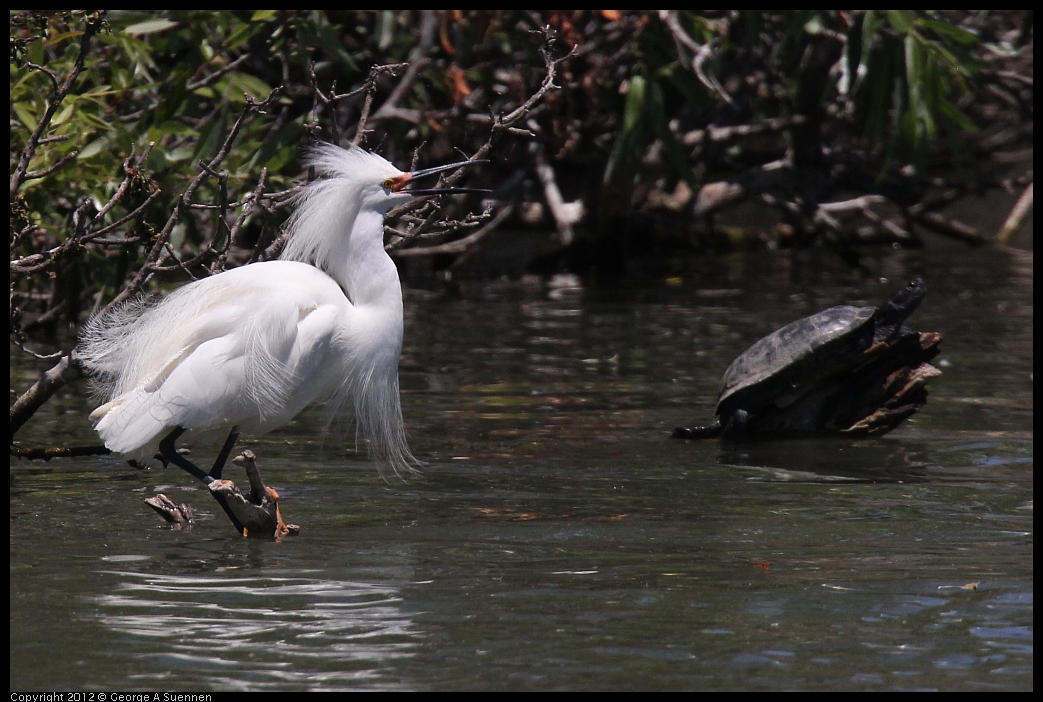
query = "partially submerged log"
x=180 y=514
x=870 y=400
x=258 y=513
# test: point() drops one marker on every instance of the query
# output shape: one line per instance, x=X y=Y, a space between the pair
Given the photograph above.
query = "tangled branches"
x=159 y=220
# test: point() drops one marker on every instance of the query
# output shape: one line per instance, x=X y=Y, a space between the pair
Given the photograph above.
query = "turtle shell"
x=795 y=357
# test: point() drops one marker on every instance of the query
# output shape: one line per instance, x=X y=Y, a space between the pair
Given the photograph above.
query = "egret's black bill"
x=438 y=169
x=447 y=191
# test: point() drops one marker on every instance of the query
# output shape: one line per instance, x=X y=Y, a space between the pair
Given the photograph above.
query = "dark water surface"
x=557 y=539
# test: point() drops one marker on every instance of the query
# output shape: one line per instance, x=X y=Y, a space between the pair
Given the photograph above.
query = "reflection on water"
x=833 y=459
x=557 y=538
x=252 y=632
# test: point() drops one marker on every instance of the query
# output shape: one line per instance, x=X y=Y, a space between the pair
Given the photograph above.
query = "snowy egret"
x=246 y=350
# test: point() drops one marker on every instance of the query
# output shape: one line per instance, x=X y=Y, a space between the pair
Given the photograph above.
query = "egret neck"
x=367 y=274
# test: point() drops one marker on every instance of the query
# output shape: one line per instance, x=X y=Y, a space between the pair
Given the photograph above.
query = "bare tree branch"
x=700 y=53
x=1017 y=214
x=428 y=29
x=460 y=245
x=64 y=372
x=158 y=254
x=60 y=92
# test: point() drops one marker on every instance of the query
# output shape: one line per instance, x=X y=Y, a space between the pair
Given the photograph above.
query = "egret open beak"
x=398 y=184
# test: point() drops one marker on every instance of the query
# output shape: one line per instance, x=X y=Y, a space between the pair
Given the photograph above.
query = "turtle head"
x=894 y=311
x=906 y=300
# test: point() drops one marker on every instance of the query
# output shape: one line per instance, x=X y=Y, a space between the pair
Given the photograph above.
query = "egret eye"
x=389 y=183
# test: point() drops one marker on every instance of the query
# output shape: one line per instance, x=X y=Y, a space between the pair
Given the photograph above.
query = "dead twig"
x=565 y=214
x=68 y=369
x=428 y=30
x=700 y=54
x=1017 y=214
x=371 y=88
x=498 y=125
x=211 y=78
x=158 y=254
x=64 y=372
x=84 y=226
x=59 y=93
x=259 y=514
x=952 y=228
x=460 y=245
x=179 y=514
x=697 y=137
x=47 y=454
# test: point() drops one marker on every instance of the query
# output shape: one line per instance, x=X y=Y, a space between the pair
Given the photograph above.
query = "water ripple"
x=261 y=633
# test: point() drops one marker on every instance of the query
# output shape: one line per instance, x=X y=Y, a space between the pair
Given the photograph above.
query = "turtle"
x=856 y=370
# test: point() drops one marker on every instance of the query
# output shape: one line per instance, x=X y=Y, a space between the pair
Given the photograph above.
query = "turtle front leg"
x=738 y=426
x=708 y=432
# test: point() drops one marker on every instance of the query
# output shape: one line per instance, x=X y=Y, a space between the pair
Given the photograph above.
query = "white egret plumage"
x=246 y=350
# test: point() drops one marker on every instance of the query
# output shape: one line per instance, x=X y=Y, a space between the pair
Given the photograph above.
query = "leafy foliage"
x=153 y=94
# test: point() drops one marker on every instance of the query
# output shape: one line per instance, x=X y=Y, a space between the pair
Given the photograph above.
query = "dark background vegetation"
x=150 y=148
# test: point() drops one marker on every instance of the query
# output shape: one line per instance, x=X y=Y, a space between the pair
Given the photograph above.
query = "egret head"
x=353 y=182
x=371 y=180
x=361 y=178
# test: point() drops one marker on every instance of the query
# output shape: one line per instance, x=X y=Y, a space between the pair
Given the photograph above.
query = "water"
x=557 y=539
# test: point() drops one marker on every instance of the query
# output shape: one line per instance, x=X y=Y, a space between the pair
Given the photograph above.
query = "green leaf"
x=35 y=52
x=93 y=149
x=957 y=34
x=903 y=21
x=241 y=35
x=634 y=108
x=25 y=115
x=262 y=15
x=316 y=30
x=870 y=26
x=172 y=97
x=98 y=91
x=920 y=84
x=956 y=68
x=954 y=115
x=168 y=128
x=64 y=113
x=212 y=136
x=150 y=27
x=246 y=83
x=179 y=154
x=284 y=140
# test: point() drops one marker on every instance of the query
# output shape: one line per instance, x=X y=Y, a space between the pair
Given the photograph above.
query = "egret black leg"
x=222 y=457
x=166 y=447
